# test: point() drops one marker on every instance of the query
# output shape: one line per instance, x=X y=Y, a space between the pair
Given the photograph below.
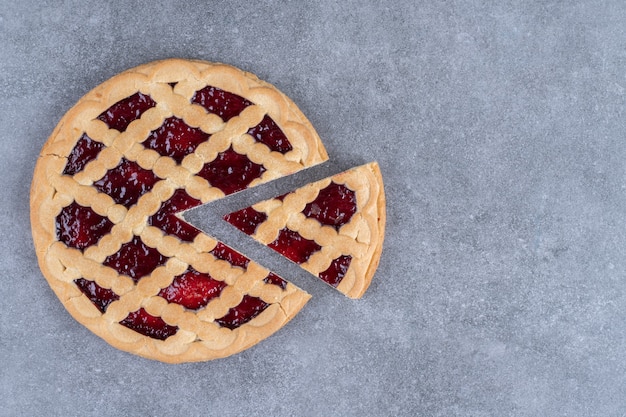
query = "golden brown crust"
x=361 y=238
x=199 y=337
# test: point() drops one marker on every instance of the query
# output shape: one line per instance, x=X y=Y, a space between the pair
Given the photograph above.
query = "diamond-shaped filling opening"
x=148 y=325
x=126 y=182
x=231 y=171
x=268 y=133
x=229 y=255
x=334 y=206
x=246 y=220
x=85 y=151
x=122 y=113
x=175 y=139
x=222 y=103
x=293 y=246
x=192 y=289
x=80 y=227
x=274 y=279
x=249 y=308
x=166 y=219
x=100 y=297
x=336 y=271
x=135 y=259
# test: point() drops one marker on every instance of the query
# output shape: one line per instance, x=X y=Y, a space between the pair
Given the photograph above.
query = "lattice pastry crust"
x=334 y=228
x=184 y=94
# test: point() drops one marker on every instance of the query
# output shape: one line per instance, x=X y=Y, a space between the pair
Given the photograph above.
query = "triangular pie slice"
x=333 y=228
x=111 y=182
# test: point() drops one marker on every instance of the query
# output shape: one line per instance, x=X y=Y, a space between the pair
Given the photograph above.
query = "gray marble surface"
x=500 y=130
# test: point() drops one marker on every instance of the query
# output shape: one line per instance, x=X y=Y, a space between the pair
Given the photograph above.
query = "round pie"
x=108 y=194
x=109 y=184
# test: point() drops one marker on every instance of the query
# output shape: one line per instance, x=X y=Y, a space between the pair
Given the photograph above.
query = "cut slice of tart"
x=333 y=228
x=108 y=190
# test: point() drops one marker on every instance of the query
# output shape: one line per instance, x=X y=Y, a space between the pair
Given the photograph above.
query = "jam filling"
x=293 y=246
x=192 y=289
x=229 y=255
x=274 y=279
x=166 y=219
x=175 y=139
x=268 y=133
x=282 y=196
x=336 y=271
x=222 y=103
x=100 y=297
x=148 y=325
x=85 y=151
x=231 y=172
x=135 y=259
x=122 y=113
x=80 y=227
x=246 y=219
x=249 y=308
x=126 y=182
x=334 y=206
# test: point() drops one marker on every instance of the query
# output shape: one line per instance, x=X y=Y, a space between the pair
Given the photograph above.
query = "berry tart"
x=108 y=194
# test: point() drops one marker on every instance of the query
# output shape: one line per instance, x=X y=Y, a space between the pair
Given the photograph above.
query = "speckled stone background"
x=500 y=130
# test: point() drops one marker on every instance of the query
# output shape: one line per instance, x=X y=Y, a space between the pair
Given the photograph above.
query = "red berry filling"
x=126 y=182
x=231 y=172
x=222 y=103
x=85 y=151
x=175 y=139
x=293 y=246
x=282 y=196
x=122 y=113
x=246 y=219
x=334 y=206
x=249 y=308
x=337 y=270
x=225 y=253
x=192 y=289
x=268 y=133
x=135 y=259
x=166 y=219
x=79 y=227
x=100 y=297
x=274 y=279
x=149 y=325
